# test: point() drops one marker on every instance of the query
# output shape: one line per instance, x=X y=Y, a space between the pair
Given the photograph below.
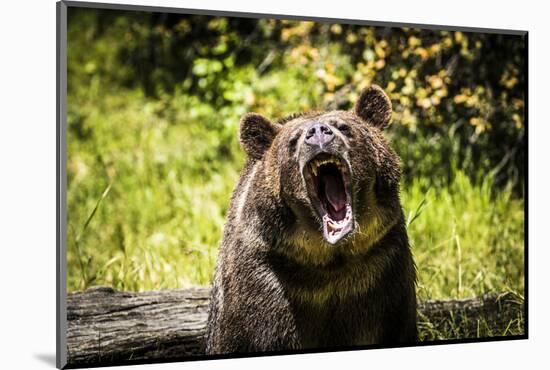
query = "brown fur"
x=278 y=284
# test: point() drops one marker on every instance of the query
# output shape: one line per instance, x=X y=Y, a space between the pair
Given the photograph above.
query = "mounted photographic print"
x=234 y=184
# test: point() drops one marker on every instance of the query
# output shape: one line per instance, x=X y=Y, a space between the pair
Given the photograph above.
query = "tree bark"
x=106 y=326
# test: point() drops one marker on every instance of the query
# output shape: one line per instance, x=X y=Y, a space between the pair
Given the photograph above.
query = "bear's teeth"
x=319 y=163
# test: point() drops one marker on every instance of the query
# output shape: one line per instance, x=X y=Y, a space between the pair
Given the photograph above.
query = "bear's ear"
x=257 y=133
x=374 y=107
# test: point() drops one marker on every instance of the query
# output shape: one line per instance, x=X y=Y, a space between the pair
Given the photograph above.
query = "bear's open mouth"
x=329 y=188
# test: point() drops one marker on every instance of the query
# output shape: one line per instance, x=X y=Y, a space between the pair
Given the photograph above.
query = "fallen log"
x=106 y=326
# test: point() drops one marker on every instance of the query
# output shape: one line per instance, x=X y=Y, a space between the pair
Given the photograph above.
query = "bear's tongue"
x=334 y=191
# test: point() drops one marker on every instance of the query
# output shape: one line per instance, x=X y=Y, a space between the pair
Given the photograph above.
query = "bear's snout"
x=319 y=135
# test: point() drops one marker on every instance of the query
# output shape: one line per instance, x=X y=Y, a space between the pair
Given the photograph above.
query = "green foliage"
x=169 y=189
x=470 y=84
x=153 y=109
x=467 y=239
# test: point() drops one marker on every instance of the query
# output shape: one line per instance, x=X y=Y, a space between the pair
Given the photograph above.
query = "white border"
x=27 y=187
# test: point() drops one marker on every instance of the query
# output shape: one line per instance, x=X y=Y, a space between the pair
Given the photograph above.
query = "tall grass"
x=468 y=238
x=160 y=223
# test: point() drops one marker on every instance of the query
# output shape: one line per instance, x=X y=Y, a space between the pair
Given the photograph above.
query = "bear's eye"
x=293 y=141
x=344 y=129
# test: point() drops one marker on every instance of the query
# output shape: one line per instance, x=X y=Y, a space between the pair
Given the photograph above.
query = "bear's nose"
x=319 y=135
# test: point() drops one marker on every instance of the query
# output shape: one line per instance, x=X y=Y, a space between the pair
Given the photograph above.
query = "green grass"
x=149 y=183
x=467 y=239
x=146 y=198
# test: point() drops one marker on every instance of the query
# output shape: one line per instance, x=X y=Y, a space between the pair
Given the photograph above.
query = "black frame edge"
x=61 y=186
x=213 y=12
x=526 y=190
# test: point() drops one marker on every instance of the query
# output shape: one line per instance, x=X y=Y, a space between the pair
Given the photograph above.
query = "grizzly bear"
x=315 y=251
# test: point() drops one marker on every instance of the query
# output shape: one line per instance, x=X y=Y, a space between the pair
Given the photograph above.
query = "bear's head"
x=333 y=170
